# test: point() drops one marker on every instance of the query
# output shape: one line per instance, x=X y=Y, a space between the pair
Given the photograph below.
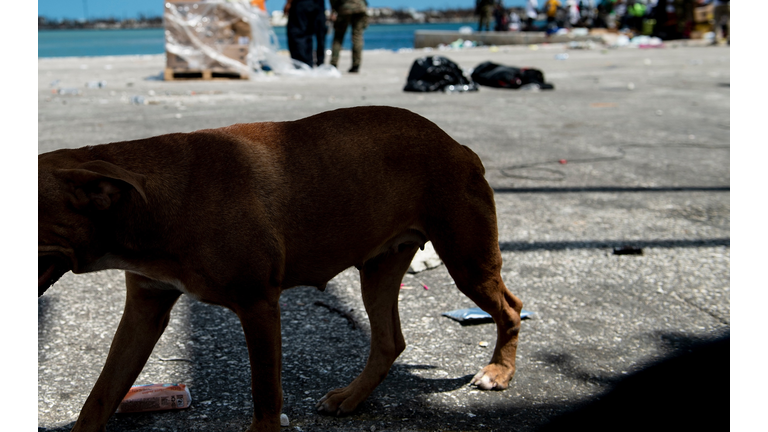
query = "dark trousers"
x=306 y=21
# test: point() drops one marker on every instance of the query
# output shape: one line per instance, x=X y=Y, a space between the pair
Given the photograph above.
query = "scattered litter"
x=483 y=344
x=477 y=316
x=54 y=83
x=563 y=161
x=580 y=31
x=465 y=30
x=646 y=42
x=533 y=47
x=563 y=56
x=627 y=250
x=471 y=415
x=425 y=259
x=69 y=91
x=692 y=137
x=585 y=45
x=622 y=41
x=659 y=112
x=647 y=62
x=495 y=75
x=284 y=420
x=96 y=84
x=407 y=287
x=155 y=397
x=435 y=73
x=138 y=100
x=631 y=86
x=459 y=44
x=168 y=359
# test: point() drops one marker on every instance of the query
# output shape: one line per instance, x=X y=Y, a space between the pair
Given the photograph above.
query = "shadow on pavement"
x=688 y=390
x=608 y=244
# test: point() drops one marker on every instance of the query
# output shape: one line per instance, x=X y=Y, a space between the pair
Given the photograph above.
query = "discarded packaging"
x=425 y=259
x=627 y=250
x=228 y=36
x=155 y=397
x=435 y=73
x=496 y=75
x=476 y=315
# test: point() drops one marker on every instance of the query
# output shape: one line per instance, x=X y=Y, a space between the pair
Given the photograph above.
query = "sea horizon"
x=148 y=41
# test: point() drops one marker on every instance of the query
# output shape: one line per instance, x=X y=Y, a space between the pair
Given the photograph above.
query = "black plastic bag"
x=495 y=75
x=429 y=74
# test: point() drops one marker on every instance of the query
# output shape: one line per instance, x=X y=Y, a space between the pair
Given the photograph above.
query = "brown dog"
x=235 y=215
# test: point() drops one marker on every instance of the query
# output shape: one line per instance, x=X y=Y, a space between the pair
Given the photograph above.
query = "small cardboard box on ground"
x=206 y=37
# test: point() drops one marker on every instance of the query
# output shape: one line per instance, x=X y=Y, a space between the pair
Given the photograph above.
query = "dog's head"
x=77 y=205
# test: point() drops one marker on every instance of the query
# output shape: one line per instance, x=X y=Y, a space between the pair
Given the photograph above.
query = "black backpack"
x=495 y=75
x=429 y=74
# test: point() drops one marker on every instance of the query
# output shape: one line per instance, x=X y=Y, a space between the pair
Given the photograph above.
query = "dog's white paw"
x=493 y=377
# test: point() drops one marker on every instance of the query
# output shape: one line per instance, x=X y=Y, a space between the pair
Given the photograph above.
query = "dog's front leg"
x=147 y=310
x=261 y=323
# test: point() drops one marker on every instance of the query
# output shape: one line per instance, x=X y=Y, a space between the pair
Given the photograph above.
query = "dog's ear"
x=102 y=184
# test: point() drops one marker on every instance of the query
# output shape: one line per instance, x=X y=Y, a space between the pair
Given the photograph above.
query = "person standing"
x=484 y=9
x=722 y=14
x=551 y=6
x=306 y=21
x=573 y=12
x=531 y=12
x=346 y=13
x=500 y=16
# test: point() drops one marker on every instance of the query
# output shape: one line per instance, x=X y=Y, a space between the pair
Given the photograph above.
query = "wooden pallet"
x=202 y=74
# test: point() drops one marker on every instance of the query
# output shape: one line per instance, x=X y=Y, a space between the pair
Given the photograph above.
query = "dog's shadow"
x=402 y=378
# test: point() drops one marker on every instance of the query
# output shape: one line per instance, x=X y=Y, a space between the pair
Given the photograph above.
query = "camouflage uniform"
x=354 y=13
x=484 y=8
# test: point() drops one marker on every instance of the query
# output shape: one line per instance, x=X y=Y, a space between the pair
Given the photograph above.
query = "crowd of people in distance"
x=666 y=19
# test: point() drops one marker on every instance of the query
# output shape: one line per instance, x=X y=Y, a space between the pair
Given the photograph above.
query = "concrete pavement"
x=644 y=135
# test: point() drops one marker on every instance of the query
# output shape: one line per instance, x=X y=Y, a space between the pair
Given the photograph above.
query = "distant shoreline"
x=376 y=16
x=152 y=26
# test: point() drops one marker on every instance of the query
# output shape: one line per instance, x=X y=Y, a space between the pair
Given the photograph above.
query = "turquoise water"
x=89 y=43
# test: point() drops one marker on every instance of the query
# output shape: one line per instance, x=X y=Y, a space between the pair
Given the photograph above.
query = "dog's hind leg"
x=380 y=279
x=465 y=237
x=148 y=306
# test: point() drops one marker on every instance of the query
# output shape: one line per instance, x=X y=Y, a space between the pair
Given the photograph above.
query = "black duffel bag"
x=495 y=75
x=435 y=73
